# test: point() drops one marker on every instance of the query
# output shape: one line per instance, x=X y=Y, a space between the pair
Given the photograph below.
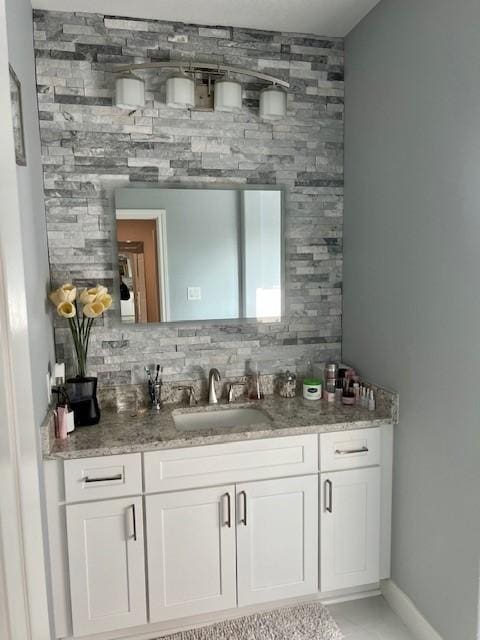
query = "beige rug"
x=303 y=622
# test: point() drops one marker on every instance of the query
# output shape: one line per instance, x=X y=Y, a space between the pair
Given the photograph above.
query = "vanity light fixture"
x=180 y=88
x=180 y=92
x=273 y=103
x=129 y=92
x=227 y=96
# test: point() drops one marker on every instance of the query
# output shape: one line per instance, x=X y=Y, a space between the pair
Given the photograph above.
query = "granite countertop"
x=149 y=430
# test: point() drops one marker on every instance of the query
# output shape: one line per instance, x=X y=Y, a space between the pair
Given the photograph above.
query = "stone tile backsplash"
x=90 y=147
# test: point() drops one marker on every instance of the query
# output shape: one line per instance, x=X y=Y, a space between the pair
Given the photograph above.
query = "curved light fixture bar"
x=192 y=67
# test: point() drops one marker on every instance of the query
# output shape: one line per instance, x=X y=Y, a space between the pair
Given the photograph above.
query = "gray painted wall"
x=90 y=148
x=411 y=301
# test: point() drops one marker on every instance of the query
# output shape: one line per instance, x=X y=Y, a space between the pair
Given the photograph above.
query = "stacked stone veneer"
x=90 y=148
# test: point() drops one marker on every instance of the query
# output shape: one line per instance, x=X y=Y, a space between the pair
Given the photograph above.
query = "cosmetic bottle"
x=362 y=395
x=338 y=390
x=356 y=392
x=61 y=422
x=331 y=374
x=371 y=401
x=348 y=398
x=66 y=414
x=70 y=421
x=312 y=386
x=329 y=393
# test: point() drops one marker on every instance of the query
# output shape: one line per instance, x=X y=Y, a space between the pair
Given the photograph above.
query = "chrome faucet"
x=213 y=375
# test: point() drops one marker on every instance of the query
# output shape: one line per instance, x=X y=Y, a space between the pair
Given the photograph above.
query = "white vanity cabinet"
x=235 y=544
x=191 y=552
x=277 y=539
x=350 y=528
x=107 y=565
x=351 y=489
x=209 y=549
x=227 y=525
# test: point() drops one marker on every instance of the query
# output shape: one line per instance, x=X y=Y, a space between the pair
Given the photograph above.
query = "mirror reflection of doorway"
x=137 y=247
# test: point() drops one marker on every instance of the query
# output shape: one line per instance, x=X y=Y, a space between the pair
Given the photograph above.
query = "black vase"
x=82 y=393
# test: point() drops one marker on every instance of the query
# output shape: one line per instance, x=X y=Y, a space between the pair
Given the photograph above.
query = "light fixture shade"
x=129 y=92
x=273 y=103
x=180 y=92
x=227 y=96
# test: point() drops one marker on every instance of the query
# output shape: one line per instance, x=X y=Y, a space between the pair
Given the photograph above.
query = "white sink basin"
x=220 y=418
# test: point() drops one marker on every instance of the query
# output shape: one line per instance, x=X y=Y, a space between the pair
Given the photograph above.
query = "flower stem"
x=79 y=346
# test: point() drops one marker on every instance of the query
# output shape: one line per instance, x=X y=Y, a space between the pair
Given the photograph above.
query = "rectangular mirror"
x=199 y=254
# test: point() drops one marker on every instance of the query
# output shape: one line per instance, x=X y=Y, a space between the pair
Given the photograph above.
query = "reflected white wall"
x=262 y=267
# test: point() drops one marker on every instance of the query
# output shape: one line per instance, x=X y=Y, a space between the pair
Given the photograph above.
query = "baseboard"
x=420 y=628
x=346 y=595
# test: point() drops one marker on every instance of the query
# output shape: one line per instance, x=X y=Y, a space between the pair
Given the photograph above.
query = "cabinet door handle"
x=346 y=452
x=244 y=519
x=134 y=522
x=118 y=476
x=329 y=495
x=229 y=510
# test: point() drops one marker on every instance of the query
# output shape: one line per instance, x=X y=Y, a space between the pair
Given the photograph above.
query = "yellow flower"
x=105 y=300
x=66 y=309
x=65 y=293
x=99 y=290
x=93 y=309
x=85 y=297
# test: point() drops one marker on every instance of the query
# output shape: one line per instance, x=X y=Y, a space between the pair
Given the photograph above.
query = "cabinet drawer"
x=103 y=477
x=349 y=449
x=230 y=462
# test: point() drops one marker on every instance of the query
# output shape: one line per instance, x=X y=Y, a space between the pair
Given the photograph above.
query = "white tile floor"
x=369 y=619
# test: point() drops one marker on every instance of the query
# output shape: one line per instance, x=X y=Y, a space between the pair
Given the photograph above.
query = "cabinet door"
x=349 y=528
x=107 y=565
x=277 y=539
x=191 y=552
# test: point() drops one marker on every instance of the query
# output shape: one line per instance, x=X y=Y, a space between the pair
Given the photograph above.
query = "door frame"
x=23 y=535
x=160 y=217
x=14 y=599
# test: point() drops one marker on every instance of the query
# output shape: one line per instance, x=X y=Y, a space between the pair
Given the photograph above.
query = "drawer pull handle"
x=229 y=510
x=105 y=479
x=244 y=519
x=329 y=495
x=346 y=452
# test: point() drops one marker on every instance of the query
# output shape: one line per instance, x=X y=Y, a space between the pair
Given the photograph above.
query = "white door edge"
x=13 y=579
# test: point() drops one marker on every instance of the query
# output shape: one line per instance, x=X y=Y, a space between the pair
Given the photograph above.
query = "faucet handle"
x=231 y=388
x=192 y=398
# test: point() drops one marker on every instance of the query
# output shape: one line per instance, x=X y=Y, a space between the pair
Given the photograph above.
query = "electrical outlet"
x=49 y=387
x=194 y=293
